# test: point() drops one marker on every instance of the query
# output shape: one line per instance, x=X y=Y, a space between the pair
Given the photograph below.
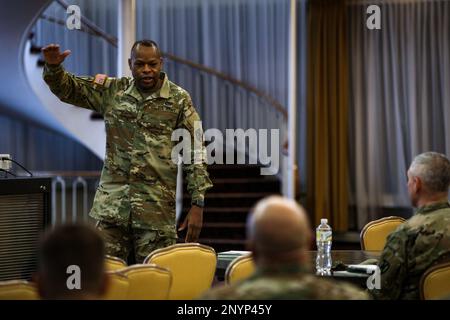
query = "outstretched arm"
x=52 y=55
x=85 y=92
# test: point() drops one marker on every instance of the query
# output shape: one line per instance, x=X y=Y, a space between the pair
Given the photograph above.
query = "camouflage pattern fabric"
x=293 y=284
x=416 y=245
x=138 y=180
x=119 y=239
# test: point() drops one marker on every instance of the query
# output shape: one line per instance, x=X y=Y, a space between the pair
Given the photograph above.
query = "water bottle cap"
x=323 y=221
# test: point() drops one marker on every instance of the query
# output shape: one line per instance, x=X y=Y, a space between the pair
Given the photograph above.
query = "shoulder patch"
x=100 y=79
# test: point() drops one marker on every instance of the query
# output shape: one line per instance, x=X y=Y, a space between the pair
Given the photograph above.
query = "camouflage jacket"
x=138 y=180
x=288 y=284
x=410 y=250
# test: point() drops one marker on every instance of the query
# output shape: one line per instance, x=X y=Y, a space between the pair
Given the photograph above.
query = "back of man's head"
x=278 y=232
x=71 y=264
x=434 y=171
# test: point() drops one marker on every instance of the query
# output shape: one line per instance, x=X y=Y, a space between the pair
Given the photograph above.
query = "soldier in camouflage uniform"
x=135 y=201
x=423 y=240
x=279 y=236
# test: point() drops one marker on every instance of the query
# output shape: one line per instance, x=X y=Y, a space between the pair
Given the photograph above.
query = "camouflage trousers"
x=120 y=241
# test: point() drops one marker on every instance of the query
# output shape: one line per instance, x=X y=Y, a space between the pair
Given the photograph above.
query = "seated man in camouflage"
x=423 y=240
x=279 y=235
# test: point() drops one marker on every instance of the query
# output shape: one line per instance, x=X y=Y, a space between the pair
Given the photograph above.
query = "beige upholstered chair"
x=374 y=234
x=240 y=268
x=148 y=282
x=192 y=265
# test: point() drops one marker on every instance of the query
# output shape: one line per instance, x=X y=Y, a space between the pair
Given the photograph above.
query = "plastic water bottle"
x=324 y=236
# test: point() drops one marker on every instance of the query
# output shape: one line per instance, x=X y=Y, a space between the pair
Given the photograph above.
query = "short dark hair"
x=145 y=43
x=68 y=245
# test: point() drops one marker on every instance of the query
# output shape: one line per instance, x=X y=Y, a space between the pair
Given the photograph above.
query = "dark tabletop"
x=349 y=256
x=345 y=257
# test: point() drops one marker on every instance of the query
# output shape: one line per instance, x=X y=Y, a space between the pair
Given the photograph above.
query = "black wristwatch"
x=199 y=203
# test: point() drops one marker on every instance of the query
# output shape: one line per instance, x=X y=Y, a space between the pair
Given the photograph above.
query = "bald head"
x=278 y=226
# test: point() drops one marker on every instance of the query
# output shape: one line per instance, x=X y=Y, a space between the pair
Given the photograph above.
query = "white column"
x=292 y=102
x=126 y=35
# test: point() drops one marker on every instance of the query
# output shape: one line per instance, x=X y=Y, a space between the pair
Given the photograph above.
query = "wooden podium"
x=24 y=215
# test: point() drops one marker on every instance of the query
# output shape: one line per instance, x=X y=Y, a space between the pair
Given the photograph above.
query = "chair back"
x=239 y=269
x=114 y=263
x=148 y=282
x=192 y=265
x=374 y=234
x=118 y=286
x=435 y=282
x=18 y=290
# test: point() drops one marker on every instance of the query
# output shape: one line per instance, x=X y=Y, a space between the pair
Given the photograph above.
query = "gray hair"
x=433 y=169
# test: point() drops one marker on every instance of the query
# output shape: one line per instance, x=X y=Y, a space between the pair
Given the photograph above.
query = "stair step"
x=267 y=179
x=224 y=225
x=239 y=217
x=227 y=195
x=220 y=230
x=225 y=166
x=222 y=215
x=245 y=185
x=213 y=210
x=222 y=241
x=230 y=199
x=217 y=171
